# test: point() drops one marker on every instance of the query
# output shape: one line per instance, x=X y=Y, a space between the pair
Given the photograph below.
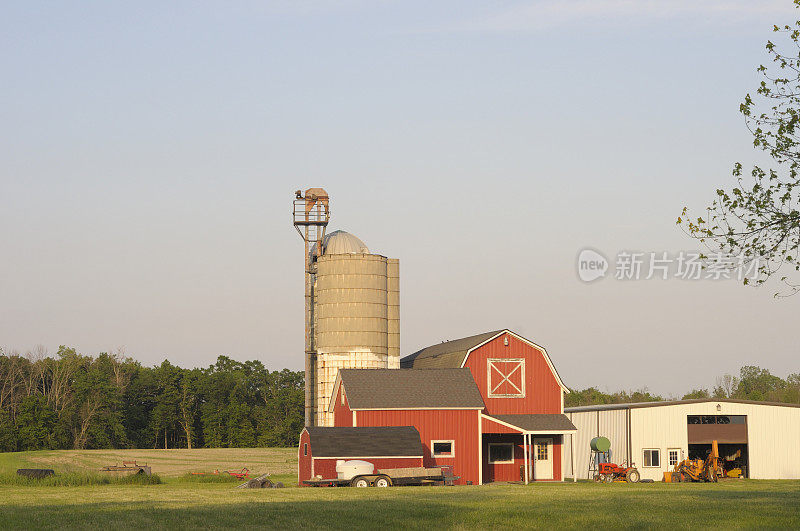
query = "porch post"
x=572 y=453
x=525 y=451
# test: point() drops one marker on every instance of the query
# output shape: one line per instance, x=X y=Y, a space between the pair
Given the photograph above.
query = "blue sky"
x=149 y=153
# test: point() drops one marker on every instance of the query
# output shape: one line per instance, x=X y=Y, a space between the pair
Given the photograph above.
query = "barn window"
x=443 y=449
x=652 y=457
x=505 y=377
x=501 y=453
x=342 y=395
x=305 y=448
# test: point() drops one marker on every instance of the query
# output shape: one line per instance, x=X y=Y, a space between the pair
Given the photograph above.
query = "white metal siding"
x=773 y=436
x=590 y=424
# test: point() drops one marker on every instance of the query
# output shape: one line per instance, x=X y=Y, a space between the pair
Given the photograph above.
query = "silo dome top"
x=341 y=242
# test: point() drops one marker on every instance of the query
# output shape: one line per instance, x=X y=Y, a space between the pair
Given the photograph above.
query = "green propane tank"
x=600 y=444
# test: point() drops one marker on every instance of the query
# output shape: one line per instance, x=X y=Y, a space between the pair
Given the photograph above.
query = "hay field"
x=165 y=463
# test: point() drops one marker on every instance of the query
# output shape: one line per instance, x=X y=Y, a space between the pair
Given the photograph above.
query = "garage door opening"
x=730 y=432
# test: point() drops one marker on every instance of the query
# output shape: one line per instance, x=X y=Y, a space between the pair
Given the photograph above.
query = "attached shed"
x=761 y=438
x=443 y=404
x=384 y=447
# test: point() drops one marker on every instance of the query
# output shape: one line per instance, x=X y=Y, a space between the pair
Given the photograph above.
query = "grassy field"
x=182 y=503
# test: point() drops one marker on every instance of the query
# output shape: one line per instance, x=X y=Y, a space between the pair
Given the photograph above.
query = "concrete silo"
x=352 y=318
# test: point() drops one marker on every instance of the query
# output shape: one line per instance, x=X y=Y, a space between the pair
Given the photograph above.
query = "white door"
x=542 y=459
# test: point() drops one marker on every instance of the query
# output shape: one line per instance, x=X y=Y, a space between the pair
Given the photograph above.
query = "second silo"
x=356 y=314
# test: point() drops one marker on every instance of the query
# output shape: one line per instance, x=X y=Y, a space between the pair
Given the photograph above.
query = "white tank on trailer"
x=352 y=468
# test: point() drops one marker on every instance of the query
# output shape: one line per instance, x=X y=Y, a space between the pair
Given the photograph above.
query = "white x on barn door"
x=506 y=378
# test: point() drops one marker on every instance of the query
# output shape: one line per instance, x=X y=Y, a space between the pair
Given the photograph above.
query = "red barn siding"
x=326 y=467
x=303 y=461
x=342 y=415
x=459 y=425
x=542 y=391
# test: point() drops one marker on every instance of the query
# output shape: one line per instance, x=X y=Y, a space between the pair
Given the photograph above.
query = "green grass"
x=188 y=502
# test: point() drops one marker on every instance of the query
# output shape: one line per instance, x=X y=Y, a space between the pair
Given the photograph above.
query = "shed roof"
x=409 y=389
x=447 y=353
x=537 y=422
x=636 y=405
x=393 y=441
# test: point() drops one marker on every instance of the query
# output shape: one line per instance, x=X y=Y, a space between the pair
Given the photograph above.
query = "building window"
x=443 y=448
x=652 y=458
x=501 y=453
x=673 y=456
x=541 y=451
x=305 y=449
x=505 y=377
x=342 y=395
x=716 y=419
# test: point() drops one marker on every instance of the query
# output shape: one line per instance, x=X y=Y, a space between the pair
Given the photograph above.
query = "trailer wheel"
x=383 y=481
x=359 y=481
x=632 y=476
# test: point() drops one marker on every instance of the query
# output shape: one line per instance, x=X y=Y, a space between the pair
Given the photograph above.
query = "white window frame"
x=490 y=365
x=305 y=449
x=651 y=459
x=678 y=459
x=489 y=454
x=452 y=448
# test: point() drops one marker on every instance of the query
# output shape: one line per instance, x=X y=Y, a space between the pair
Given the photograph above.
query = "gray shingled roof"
x=410 y=388
x=449 y=354
x=394 y=441
x=539 y=421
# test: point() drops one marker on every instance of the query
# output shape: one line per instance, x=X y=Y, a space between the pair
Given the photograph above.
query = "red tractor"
x=610 y=472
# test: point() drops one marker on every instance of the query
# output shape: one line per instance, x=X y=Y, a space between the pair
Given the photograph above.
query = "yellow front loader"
x=708 y=470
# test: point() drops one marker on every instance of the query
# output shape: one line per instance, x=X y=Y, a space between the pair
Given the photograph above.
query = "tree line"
x=753 y=383
x=72 y=401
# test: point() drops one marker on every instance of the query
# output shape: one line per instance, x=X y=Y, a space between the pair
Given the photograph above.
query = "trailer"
x=389 y=477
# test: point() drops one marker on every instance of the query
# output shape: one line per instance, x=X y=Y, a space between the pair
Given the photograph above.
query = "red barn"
x=487 y=405
x=384 y=447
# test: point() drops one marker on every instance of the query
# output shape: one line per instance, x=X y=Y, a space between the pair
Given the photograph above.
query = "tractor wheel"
x=359 y=481
x=596 y=477
x=609 y=478
x=632 y=476
x=383 y=481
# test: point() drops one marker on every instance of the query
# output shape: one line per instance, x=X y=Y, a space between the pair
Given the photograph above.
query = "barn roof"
x=637 y=405
x=445 y=354
x=541 y=422
x=454 y=353
x=409 y=389
x=393 y=441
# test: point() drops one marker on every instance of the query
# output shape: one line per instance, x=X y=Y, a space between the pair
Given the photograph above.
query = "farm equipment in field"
x=128 y=467
x=610 y=472
x=242 y=474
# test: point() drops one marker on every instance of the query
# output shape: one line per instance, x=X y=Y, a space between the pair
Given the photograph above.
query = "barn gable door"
x=505 y=378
